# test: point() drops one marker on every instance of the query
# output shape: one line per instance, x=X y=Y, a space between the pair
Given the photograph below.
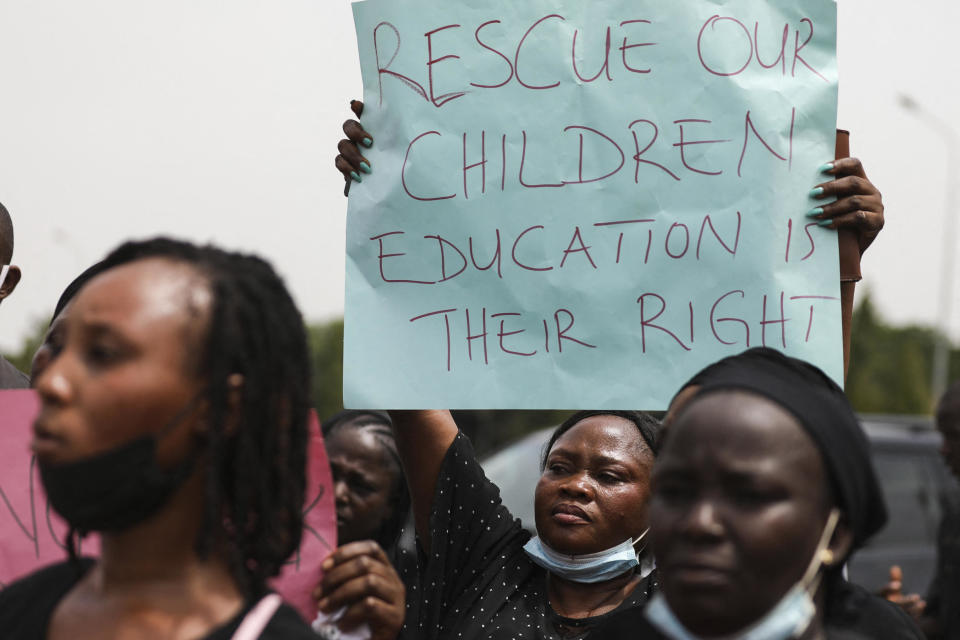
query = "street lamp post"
x=941 y=354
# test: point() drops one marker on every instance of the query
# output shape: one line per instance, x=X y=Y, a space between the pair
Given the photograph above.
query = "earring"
x=826 y=557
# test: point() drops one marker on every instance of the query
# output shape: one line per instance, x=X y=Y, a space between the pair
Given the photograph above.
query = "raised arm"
x=423 y=438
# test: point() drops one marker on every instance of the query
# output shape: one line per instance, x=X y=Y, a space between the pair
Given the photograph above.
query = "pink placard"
x=303 y=572
x=31 y=534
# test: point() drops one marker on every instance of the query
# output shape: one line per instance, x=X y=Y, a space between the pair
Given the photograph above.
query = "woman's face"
x=363 y=482
x=739 y=500
x=120 y=366
x=593 y=492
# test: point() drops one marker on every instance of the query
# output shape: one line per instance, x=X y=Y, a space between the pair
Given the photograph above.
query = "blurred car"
x=906 y=456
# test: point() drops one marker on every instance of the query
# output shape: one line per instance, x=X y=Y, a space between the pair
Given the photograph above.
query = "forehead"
x=739 y=431
x=603 y=435
x=147 y=295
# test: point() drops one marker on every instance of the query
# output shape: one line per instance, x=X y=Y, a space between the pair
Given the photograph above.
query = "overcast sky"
x=218 y=121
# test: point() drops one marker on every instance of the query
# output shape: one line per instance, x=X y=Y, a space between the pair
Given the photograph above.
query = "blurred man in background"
x=939 y=614
x=10 y=377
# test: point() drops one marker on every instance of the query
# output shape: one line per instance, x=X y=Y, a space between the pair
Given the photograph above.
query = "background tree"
x=890 y=366
x=24 y=356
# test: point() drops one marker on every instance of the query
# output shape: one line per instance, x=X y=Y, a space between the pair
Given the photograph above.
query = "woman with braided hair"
x=174 y=423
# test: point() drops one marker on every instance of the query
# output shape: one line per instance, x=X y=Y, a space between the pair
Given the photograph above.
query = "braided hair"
x=256 y=448
x=381 y=427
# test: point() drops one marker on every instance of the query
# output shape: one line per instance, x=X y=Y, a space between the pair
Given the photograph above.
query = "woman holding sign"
x=174 y=423
x=484 y=577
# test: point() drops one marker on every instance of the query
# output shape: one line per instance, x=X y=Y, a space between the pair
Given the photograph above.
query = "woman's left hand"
x=859 y=205
x=359 y=576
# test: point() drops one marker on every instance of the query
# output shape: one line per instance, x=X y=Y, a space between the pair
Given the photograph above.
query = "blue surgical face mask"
x=586 y=567
x=789 y=618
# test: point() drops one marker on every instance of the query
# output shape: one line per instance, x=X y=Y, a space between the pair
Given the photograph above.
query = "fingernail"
x=816 y=191
x=366 y=168
x=813 y=213
x=355 y=176
x=327 y=564
x=367 y=142
x=826 y=168
x=825 y=223
x=322 y=604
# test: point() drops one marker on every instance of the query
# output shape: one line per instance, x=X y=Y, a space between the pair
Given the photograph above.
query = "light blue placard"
x=654 y=202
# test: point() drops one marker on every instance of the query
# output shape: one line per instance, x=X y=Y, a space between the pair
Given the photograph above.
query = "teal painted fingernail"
x=355 y=176
x=816 y=191
x=825 y=168
x=813 y=213
x=367 y=142
x=825 y=223
x=366 y=168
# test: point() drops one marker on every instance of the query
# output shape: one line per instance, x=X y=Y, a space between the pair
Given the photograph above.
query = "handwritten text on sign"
x=32 y=535
x=581 y=204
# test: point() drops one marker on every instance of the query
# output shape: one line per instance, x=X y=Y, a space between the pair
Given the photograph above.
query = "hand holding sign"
x=580 y=206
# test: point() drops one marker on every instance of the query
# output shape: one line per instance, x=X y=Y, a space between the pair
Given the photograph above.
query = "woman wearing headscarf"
x=763 y=489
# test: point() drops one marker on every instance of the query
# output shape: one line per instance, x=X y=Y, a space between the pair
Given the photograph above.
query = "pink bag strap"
x=257 y=618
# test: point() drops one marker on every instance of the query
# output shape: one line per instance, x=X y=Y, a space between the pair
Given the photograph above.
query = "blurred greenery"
x=889 y=373
x=890 y=367
x=22 y=358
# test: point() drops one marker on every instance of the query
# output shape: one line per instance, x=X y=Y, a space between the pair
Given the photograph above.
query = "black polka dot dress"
x=477 y=582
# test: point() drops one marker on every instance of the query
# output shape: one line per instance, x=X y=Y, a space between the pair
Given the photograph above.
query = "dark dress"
x=27 y=605
x=943 y=597
x=478 y=582
x=853 y=614
x=403 y=556
x=11 y=377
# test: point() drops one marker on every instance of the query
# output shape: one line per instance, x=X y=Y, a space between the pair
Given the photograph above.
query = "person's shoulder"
x=11 y=377
x=46 y=580
x=856 y=610
x=629 y=624
x=27 y=604
x=286 y=624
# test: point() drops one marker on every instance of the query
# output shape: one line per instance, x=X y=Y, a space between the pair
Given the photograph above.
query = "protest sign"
x=32 y=535
x=578 y=205
x=302 y=572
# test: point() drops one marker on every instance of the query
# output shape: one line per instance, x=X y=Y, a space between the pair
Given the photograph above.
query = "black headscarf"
x=824 y=412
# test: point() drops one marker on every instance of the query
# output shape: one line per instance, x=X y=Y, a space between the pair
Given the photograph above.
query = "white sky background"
x=219 y=121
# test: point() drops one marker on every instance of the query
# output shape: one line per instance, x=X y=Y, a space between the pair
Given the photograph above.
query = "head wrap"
x=824 y=412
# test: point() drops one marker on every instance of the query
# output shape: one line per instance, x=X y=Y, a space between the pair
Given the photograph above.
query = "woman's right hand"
x=350 y=162
x=359 y=578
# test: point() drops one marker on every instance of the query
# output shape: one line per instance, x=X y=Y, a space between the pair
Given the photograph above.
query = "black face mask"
x=116 y=489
